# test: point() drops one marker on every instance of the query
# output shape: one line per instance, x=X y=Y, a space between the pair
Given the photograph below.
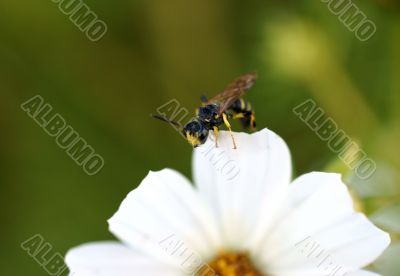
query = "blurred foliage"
x=158 y=50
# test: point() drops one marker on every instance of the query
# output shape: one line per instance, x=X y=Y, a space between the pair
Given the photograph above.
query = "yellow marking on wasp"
x=238 y=116
x=252 y=120
x=228 y=125
x=194 y=141
x=242 y=104
x=216 y=134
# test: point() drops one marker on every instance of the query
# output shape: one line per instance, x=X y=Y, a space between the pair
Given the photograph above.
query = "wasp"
x=218 y=110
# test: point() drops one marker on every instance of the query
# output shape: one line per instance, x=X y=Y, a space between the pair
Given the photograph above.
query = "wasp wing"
x=234 y=91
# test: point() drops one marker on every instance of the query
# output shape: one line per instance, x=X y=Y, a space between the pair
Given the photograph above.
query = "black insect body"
x=218 y=110
x=209 y=114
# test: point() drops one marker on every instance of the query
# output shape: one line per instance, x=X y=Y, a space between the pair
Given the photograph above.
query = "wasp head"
x=195 y=132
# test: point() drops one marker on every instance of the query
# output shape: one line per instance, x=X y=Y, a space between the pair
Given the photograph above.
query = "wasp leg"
x=228 y=125
x=253 y=121
x=216 y=134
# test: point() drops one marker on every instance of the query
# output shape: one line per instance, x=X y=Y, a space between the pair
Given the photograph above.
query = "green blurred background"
x=159 y=50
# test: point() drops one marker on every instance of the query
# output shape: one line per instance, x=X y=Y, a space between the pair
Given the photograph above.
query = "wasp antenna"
x=165 y=119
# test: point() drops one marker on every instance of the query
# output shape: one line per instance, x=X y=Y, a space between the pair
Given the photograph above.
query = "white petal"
x=113 y=259
x=244 y=186
x=362 y=273
x=320 y=223
x=165 y=218
x=315 y=201
x=355 y=242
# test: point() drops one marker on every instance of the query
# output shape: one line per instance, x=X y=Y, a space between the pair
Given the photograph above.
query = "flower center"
x=230 y=264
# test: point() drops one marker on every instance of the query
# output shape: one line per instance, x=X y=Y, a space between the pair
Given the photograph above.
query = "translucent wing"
x=234 y=91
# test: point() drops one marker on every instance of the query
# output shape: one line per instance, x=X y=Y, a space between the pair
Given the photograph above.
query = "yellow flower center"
x=230 y=264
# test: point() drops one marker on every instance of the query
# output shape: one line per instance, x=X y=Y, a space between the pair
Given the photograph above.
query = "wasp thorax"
x=209 y=114
x=195 y=132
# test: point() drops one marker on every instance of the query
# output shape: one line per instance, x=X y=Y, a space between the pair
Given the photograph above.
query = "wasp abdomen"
x=242 y=110
x=241 y=105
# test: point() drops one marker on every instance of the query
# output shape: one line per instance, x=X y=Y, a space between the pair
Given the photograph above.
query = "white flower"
x=255 y=222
